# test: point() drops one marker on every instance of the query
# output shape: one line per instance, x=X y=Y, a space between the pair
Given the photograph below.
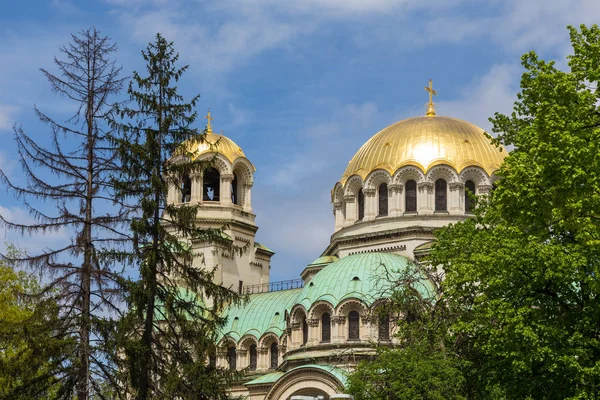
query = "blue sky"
x=299 y=85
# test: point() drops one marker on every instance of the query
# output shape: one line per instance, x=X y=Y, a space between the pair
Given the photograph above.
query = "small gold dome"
x=220 y=144
x=426 y=142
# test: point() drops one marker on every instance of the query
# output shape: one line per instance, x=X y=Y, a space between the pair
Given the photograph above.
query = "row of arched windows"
x=211 y=187
x=410 y=197
x=353 y=327
x=253 y=355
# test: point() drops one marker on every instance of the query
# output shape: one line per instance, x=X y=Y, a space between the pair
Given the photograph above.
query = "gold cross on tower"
x=208 y=125
x=430 y=110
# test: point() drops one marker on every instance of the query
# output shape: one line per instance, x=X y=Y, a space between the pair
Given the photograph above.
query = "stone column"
x=370 y=204
x=197 y=182
x=225 y=198
x=425 y=198
x=351 y=213
x=396 y=207
x=338 y=215
x=369 y=324
x=338 y=331
x=263 y=359
x=222 y=359
x=313 y=331
x=247 y=197
x=296 y=335
x=242 y=359
x=456 y=198
x=172 y=193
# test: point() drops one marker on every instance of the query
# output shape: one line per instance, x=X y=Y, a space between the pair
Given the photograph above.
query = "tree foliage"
x=175 y=308
x=523 y=275
x=72 y=173
x=30 y=351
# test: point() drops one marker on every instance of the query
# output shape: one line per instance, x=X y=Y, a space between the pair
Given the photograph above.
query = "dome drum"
x=418 y=166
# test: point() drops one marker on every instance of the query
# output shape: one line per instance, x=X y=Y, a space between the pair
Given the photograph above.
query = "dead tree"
x=80 y=273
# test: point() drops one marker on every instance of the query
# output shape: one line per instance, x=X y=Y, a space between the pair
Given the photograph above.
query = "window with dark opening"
x=304 y=331
x=410 y=196
x=274 y=355
x=469 y=192
x=212 y=185
x=361 y=205
x=186 y=188
x=441 y=196
x=384 y=327
x=240 y=287
x=212 y=360
x=253 y=357
x=353 y=326
x=232 y=358
x=325 y=328
x=234 y=190
x=383 y=199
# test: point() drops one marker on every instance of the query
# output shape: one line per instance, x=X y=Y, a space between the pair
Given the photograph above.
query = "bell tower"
x=223 y=193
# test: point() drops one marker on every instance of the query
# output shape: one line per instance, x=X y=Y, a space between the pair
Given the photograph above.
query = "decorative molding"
x=313 y=322
x=227 y=177
x=484 y=189
x=349 y=198
x=442 y=171
x=337 y=205
x=425 y=186
x=407 y=173
x=338 y=320
x=369 y=192
x=396 y=187
x=453 y=186
x=389 y=249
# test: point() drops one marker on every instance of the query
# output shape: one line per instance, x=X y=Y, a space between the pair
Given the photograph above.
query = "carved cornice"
x=338 y=319
x=369 y=192
x=227 y=177
x=313 y=322
x=349 y=198
x=484 y=189
x=337 y=205
x=422 y=186
x=263 y=350
x=295 y=326
x=453 y=186
x=396 y=187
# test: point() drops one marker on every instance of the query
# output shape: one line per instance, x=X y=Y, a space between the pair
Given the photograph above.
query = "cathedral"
x=302 y=337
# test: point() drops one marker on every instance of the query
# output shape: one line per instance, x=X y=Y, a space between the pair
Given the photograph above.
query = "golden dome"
x=215 y=143
x=426 y=142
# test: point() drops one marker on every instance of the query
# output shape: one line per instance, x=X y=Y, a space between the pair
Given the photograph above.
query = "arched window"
x=274 y=355
x=469 y=191
x=361 y=205
x=410 y=196
x=186 y=188
x=325 y=328
x=234 y=190
x=441 y=196
x=232 y=358
x=212 y=185
x=353 y=326
x=304 y=331
x=384 y=327
x=253 y=357
x=383 y=199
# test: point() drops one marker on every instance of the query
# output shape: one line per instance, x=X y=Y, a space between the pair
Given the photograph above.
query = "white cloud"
x=7 y=116
x=494 y=91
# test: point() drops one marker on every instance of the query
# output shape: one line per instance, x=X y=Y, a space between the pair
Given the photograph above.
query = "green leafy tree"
x=72 y=173
x=170 y=331
x=32 y=349
x=523 y=275
x=422 y=365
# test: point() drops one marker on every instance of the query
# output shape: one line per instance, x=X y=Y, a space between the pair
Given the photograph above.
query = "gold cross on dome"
x=430 y=109
x=208 y=119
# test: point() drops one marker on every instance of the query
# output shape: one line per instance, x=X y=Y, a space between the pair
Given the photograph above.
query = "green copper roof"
x=324 y=260
x=366 y=277
x=263 y=247
x=267 y=378
x=265 y=312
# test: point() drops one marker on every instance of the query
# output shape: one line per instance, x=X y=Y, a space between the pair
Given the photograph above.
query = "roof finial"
x=430 y=110
x=208 y=125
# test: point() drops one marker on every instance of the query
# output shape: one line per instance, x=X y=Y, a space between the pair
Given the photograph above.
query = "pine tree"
x=167 y=337
x=79 y=273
